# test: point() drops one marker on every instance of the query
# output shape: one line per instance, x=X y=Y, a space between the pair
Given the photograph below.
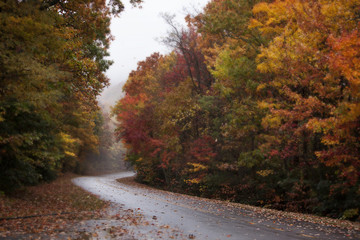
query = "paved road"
x=199 y=218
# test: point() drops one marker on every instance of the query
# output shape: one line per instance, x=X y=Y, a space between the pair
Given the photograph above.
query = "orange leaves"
x=321 y=125
x=314 y=60
x=345 y=58
x=281 y=104
x=53 y=206
x=342 y=136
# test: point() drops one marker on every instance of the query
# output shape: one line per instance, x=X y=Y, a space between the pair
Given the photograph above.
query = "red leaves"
x=53 y=206
x=202 y=150
x=284 y=108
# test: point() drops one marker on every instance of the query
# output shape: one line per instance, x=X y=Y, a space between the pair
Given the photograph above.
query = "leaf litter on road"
x=264 y=216
x=61 y=210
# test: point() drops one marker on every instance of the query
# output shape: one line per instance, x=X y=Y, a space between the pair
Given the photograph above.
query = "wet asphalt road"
x=199 y=218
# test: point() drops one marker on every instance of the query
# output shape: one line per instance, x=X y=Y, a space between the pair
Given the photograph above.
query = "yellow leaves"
x=70 y=144
x=284 y=22
x=255 y=24
x=341 y=14
x=196 y=167
x=192 y=181
x=261 y=7
x=166 y=63
x=271 y=121
x=348 y=112
x=211 y=55
x=261 y=86
x=67 y=139
x=297 y=28
x=265 y=173
x=333 y=126
x=184 y=114
x=267 y=105
x=270 y=58
x=269 y=17
x=70 y=154
x=319 y=125
x=330 y=140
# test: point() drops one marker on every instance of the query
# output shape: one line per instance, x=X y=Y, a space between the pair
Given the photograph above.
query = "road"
x=198 y=218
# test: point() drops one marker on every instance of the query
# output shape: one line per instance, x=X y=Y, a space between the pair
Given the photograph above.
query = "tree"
x=257 y=103
x=52 y=62
x=309 y=90
x=185 y=42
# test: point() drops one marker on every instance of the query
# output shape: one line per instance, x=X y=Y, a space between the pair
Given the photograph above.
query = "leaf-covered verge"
x=49 y=208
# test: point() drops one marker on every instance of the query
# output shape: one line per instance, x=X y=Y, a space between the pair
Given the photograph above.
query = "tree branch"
x=46 y=4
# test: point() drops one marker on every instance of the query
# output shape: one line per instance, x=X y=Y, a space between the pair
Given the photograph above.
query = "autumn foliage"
x=257 y=103
x=52 y=64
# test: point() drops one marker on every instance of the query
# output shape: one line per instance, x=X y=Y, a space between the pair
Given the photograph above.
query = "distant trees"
x=257 y=103
x=110 y=154
x=52 y=63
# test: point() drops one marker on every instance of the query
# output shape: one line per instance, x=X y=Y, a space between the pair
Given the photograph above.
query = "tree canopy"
x=258 y=103
x=52 y=63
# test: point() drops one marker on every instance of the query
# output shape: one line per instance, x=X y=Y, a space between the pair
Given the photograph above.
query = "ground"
x=61 y=210
x=48 y=210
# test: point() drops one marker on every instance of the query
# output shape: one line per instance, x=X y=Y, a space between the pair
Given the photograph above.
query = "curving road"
x=198 y=218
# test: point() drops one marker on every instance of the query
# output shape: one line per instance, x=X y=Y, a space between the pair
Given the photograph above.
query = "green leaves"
x=52 y=63
x=259 y=100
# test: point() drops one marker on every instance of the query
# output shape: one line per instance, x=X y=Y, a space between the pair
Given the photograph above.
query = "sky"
x=138 y=32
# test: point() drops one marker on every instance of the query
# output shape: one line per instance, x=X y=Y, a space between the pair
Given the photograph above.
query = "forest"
x=52 y=68
x=258 y=102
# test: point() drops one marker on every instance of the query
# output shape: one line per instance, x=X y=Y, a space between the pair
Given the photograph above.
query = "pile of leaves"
x=48 y=209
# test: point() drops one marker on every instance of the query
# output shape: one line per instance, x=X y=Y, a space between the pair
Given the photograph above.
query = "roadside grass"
x=47 y=208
